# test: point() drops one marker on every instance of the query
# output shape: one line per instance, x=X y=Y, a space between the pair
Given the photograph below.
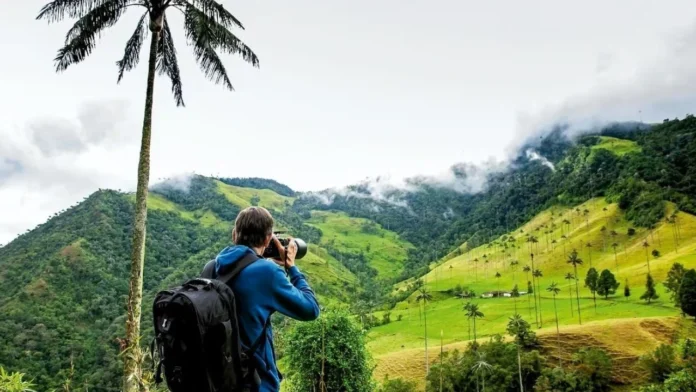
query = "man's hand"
x=287 y=258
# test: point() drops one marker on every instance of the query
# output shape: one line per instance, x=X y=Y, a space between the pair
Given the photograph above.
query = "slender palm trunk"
x=529 y=299
x=425 y=322
x=536 y=309
x=616 y=262
x=519 y=366
x=474 y=329
x=131 y=357
x=570 y=295
x=577 y=293
x=541 y=321
x=558 y=332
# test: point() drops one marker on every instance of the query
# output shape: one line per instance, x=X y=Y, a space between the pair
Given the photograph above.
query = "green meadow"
x=445 y=312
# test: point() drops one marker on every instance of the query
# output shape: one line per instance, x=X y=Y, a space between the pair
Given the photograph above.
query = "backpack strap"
x=255 y=346
x=237 y=267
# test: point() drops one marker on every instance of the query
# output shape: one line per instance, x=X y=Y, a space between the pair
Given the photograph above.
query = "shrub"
x=397 y=385
x=660 y=363
x=334 y=342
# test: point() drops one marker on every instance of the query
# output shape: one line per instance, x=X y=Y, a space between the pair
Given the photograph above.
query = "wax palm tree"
x=473 y=314
x=480 y=368
x=647 y=258
x=553 y=289
x=424 y=296
x=476 y=260
x=513 y=267
x=589 y=252
x=575 y=261
x=514 y=326
x=526 y=269
x=603 y=230
x=586 y=213
x=207 y=25
x=569 y=277
x=497 y=277
x=467 y=307
x=565 y=239
x=616 y=257
x=534 y=291
x=537 y=274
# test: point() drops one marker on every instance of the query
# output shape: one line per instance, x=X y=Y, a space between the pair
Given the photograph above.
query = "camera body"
x=272 y=252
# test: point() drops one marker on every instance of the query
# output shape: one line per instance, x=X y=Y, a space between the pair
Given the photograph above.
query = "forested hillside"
x=63 y=285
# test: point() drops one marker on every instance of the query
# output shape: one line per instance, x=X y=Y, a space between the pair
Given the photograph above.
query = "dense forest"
x=63 y=285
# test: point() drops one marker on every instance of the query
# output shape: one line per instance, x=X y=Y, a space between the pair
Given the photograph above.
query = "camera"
x=271 y=252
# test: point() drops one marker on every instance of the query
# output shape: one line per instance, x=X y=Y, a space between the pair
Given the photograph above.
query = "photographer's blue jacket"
x=262 y=289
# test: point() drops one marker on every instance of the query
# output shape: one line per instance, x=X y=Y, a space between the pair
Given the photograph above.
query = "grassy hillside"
x=246 y=197
x=445 y=312
x=385 y=250
x=157 y=202
x=617 y=146
x=624 y=339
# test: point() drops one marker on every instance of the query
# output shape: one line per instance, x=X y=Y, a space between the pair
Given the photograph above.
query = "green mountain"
x=63 y=285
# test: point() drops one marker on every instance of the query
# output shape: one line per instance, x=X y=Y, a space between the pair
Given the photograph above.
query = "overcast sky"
x=346 y=90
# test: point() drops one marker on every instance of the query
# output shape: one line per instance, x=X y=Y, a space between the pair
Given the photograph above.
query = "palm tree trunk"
x=425 y=322
x=558 y=332
x=131 y=362
x=519 y=366
x=541 y=321
x=577 y=293
x=474 y=329
x=570 y=295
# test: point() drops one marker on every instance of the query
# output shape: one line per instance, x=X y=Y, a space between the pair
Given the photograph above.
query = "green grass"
x=617 y=146
x=445 y=312
x=242 y=197
x=385 y=250
x=158 y=202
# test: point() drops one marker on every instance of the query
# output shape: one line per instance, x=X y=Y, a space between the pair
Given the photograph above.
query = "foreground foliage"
x=328 y=354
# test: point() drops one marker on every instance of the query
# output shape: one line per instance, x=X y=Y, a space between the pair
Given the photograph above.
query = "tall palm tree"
x=517 y=320
x=575 y=261
x=497 y=277
x=616 y=258
x=476 y=260
x=467 y=307
x=207 y=25
x=526 y=269
x=535 y=293
x=553 y=289
x=424 y=296
x=604 y=231
x=473 y=314
x=589 y=252
x=480 y=368
x=647 y=258
x=537 y=274
x=570 y=277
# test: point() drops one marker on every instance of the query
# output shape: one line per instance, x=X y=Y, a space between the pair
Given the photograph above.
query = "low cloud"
x=181 y=182
x=663 y=88
x=534 y=156
x=52 y=162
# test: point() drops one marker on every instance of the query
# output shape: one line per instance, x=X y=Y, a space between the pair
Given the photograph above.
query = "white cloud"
x=56 y=161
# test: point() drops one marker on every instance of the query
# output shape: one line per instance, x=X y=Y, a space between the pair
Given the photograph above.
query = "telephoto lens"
x=272 y=252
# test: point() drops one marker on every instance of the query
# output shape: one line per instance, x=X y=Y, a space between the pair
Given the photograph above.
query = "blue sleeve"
x=294 y=298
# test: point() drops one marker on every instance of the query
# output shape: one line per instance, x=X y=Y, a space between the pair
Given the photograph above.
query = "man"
x=262 y=289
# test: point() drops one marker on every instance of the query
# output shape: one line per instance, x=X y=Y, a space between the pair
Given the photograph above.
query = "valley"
x=622 y=200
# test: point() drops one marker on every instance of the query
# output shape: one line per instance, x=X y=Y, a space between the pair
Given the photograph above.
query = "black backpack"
x=197 y=335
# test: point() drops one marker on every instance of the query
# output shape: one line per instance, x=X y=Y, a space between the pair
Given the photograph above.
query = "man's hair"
x=252 y=226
